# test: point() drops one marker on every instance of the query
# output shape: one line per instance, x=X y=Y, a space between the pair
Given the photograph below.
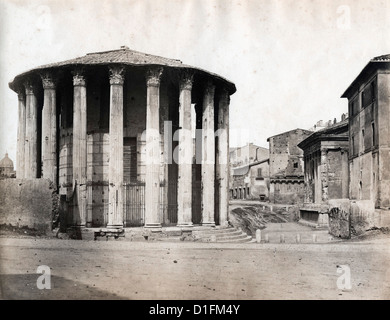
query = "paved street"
x=191 y=270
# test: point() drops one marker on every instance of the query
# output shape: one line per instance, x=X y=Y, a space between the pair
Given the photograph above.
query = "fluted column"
x=324 y=174
x=115 y=165
x=223 y=156
x=79 y=148
x=208 y=156
x=152 y=187
x=49 y=128
x=31 y=146
x=184 y=194
x=20 y=172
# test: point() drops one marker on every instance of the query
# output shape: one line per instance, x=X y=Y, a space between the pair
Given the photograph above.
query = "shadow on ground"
x=24 y=287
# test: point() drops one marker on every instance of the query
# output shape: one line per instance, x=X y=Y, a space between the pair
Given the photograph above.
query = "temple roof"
x=124 y=56
x=336 y=132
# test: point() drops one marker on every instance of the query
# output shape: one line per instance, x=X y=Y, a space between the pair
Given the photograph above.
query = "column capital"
x=49 y=81
x=79 y=78
x=209 y=87
x=21 y=92
x=153 y=76
x=224 y=96
x=186 y=78
x=117 y=74
x=30 y=87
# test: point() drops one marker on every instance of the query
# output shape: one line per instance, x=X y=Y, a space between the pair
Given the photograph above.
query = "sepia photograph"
x=206 y=151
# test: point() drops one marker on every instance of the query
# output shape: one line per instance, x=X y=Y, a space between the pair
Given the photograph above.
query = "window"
x=295 y=164
x=353 y=145
x=362 y=142
x=373 y=91
x=352 y=111
x=259 y=172
x=373 y=134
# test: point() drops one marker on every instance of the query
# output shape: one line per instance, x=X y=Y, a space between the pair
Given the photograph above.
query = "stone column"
x=49 y=129
x=208 y=156
x=223 y=156
x=79 y=148
x=31 y=146
x=324 y=174
x=184 y=193
x=115 y=166
x=152 y=176
x=21 y=134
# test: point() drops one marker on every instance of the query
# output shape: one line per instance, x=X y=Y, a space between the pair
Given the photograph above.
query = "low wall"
x=364 y=216
x=27 y=203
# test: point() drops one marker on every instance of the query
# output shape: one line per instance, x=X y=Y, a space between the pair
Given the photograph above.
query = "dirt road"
x=188 y=270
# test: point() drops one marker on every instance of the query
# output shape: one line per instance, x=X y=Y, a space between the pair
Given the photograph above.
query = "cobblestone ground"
x=189 y=270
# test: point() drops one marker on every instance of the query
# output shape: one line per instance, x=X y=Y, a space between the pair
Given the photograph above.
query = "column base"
x=79 y=226
x=114 y=226
x=154 y=227
x=208 y=224
x=185 y=225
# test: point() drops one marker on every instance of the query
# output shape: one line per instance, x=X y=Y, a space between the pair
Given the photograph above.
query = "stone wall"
x=27 y=203
x=340 y=218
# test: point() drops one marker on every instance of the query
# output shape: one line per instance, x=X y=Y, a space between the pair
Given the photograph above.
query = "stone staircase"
x=221 y=234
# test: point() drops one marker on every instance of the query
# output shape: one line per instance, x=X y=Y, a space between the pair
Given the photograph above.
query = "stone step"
x=220 y=234
x=214 y=231
x=246 y=239
x=231 y=237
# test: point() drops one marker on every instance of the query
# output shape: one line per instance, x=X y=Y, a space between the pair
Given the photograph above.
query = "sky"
x=290 y=60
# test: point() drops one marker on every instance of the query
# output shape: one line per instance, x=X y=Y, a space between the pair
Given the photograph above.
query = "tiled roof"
x=125 y=56
x=384 y=58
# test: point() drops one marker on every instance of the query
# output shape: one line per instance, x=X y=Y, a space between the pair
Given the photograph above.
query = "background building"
x=286 y=167
x=326 y=171
x=369 y=142
x=7 y=167
x=249 y=172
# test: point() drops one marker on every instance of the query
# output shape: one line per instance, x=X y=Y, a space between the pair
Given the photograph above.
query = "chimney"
x=334 y=121
x=343 y=117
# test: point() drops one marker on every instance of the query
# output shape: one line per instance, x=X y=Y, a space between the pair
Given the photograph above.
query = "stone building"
x=249 y=172
x=113 y=131
x=325 y=170
x=7 y=167
x=286 y=167
x=369 y=142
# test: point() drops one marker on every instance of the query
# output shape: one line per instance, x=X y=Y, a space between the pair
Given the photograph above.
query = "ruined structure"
x=286 y=167
x=326 y=171
x=7 y=167
x=249 y=172
x=369 y=143
x=113 y=131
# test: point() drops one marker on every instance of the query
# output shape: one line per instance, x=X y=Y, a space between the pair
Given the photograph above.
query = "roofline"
x=288 y=132
x=326 y=134
x=373 y=64
x=72 y=62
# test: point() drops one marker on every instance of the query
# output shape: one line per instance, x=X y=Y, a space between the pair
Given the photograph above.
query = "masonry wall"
x=284 y=153
x=287 y=192
x=27 y=203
